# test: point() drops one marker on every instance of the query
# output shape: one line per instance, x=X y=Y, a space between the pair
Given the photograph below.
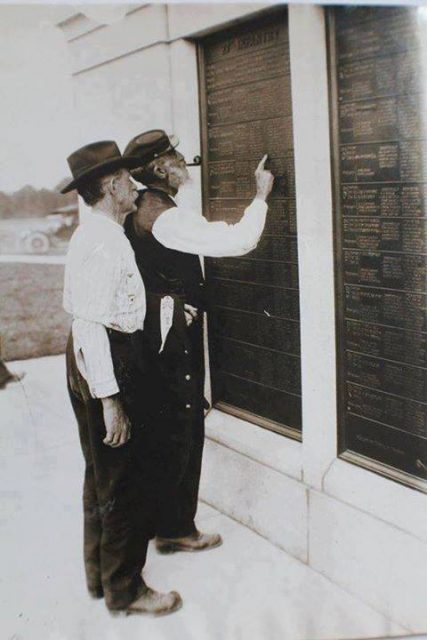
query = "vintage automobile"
x=49 y=234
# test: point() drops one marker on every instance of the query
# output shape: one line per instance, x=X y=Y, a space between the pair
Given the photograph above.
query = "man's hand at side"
x=190 y=313
x=264 y=180
x=117 y=423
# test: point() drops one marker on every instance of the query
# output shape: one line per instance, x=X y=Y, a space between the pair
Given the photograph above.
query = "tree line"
x=30 y=202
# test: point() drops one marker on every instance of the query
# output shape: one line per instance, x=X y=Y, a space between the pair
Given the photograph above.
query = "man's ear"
x=159 y=171
x=111 y=185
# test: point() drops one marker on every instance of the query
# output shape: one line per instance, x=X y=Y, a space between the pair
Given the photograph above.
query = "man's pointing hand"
x=264 y=180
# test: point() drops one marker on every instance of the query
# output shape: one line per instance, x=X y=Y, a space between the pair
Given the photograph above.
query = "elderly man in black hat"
x=104 y=293
x=168 y=240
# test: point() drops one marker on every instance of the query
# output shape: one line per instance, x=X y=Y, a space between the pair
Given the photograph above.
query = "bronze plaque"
x=380 y=160
x=254 y=303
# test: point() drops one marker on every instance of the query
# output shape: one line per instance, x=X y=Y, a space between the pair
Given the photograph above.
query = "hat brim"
x=98 y=170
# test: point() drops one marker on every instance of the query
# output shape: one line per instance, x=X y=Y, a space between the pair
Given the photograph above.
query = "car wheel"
x=36 y=242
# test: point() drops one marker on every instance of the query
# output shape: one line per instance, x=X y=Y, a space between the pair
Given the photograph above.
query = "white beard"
x=189 y=195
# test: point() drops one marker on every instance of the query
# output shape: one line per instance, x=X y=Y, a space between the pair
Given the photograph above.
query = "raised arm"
x=190 y=232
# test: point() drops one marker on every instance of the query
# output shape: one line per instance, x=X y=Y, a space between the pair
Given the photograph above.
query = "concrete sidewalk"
x=245 y=590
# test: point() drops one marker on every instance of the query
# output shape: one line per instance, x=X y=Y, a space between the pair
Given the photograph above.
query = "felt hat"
x=95 y=160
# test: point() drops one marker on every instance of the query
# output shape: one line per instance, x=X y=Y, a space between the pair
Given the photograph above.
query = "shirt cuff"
x=104 y=389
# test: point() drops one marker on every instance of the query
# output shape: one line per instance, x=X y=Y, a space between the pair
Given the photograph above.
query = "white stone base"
x=254 y=476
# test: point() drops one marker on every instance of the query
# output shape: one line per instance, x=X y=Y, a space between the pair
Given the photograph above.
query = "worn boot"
x=197 y=541
x=150 y=602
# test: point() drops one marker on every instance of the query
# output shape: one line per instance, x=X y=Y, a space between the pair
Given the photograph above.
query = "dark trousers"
x=179 y=506
x=118 y=513
x=5 y=375
x=186 y=430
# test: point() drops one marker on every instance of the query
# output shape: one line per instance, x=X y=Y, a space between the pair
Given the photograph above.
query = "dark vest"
x=165 y=271
x=176 y=375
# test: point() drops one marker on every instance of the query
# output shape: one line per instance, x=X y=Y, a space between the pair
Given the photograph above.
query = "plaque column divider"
x=310 y=102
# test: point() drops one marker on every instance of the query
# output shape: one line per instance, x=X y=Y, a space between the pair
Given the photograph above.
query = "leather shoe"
x=151 y=602
x=194 y=542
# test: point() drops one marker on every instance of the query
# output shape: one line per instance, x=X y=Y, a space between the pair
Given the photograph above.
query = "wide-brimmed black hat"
x=150 y=145
x=94 y=160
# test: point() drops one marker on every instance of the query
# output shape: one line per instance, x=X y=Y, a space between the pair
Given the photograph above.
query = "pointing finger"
x=260 y=167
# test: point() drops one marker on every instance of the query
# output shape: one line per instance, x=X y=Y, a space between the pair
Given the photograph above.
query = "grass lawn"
x=32 y=321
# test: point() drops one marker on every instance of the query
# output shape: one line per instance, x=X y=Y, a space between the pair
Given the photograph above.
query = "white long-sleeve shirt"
x=102 y=288
x=185 y=230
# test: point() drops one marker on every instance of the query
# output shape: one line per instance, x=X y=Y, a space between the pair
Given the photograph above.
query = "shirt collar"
x=96 y=216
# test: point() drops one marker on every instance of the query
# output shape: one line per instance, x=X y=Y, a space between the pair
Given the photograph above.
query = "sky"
x=36 y=99
x=37 y=120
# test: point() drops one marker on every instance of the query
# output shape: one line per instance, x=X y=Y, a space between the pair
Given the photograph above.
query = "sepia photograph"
x=213 y=321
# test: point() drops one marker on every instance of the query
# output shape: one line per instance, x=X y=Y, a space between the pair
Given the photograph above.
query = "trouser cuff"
x=119 y=600
x=181 y=532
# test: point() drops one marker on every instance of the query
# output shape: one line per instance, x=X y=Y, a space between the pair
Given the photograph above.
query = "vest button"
x=188 y=377
x=188 y=406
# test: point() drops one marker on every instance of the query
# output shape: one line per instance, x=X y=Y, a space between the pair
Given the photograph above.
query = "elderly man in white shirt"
x=104 y=293
x=168 y=240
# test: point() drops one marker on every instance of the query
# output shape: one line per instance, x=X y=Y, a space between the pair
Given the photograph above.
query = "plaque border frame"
x=357 y=459
x=282 y=11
